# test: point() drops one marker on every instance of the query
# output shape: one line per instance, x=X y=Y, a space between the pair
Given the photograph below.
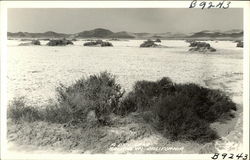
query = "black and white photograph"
x=125 y=81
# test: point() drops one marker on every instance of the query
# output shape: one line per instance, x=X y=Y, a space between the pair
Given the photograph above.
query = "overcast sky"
x=132 y=20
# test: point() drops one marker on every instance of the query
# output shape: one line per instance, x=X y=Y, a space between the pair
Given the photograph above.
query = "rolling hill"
x=106 y=34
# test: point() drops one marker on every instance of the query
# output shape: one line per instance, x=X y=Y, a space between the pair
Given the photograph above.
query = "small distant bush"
x=148 y=43
x=98 y=43
x=158 y=40
x=106 y=44
x=35 y=42
x=201 y=46
x=212 y=49
x=59 y=42
x=114 y=39
x=91 y=43
x=239 y=44
x=25 y=39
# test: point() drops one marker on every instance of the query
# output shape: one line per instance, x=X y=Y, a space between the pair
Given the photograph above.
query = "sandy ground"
x=231 y=132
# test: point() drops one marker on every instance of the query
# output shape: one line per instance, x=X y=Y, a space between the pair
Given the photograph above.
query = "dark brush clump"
x=18 y=111
x=99 y=94
x=148 y=43
x=201 y=47
x=59 y=42
x=158 y=40
x=179 y=122
x=98 y=43
x=33 y=42
x=183 y=111
x=239 y=44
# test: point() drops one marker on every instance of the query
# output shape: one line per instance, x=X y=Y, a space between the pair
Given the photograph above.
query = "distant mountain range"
x=105 y=33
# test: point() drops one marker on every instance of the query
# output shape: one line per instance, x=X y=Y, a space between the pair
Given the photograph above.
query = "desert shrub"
x=158 y=40
x=179 y=122
x=239 y=44
x=145 y=94
x=55 y=113
x=18 y=110
x=114 y=39
x=90 y=43
x=208 y=104
x=189 y=110
x=182 y=111
x=212 y=49
x=59 y=42
x=199 y=44
x=127 y=105
x=25 y=39
x=190 y=40
x=106 y=44
x=35 y=42
x=201 y=47
x=148 y=43
x=98 y=43
x=99 y=93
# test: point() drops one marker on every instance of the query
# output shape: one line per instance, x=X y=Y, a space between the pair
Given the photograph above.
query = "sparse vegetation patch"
x=239 y=44
x=201 y=47
x=158 y=40
x=99 y=43
x=33 y=42
x=59 y=42
x=148 y=43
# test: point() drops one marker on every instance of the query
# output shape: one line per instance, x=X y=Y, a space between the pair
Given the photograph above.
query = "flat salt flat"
x=35 y=71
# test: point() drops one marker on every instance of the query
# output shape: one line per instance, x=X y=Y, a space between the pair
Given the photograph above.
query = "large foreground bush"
x=98 y=95
x=181 y=111
x=178 y=121
x=144 y=96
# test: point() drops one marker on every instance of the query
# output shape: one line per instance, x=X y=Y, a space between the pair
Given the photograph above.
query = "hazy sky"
x=132 y=20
